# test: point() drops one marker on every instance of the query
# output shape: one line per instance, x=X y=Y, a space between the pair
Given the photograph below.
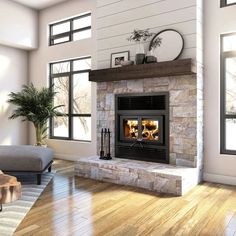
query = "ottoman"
x=25 y=159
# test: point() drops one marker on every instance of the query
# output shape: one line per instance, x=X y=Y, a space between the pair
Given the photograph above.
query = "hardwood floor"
x=77 y=206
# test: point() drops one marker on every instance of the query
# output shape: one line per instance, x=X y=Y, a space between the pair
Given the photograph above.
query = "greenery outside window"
x=228 y=93
x=70 y=30
x=225 y=3
x=70 y=81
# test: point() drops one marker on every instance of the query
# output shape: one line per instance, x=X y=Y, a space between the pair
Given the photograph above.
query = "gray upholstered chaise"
x=25 y=159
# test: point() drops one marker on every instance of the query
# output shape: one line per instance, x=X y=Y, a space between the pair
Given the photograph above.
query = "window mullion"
x=61 y=35
x=71 y=29
x=63 y=74
x=230 y=116
x=223 y=3
x=81 y=29
x=222 y=102
x=71 y=101
x=223 y=81
x=50 y=37
x=51 y=119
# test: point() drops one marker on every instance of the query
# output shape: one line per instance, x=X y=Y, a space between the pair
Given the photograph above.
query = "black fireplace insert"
x=142 y=127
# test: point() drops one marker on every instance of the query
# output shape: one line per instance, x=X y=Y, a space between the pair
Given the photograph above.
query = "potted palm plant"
x=36 y=106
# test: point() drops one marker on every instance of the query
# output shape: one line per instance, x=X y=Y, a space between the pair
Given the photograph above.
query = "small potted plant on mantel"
x=150 y=58
x=36 y=106
x=140 y=37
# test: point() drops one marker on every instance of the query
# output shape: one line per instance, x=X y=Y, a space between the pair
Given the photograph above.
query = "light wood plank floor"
x=77 y=206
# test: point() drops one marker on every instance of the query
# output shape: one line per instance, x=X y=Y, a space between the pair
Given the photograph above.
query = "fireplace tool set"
x=105 y=152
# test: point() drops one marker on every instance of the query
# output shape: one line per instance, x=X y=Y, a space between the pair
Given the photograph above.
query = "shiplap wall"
x=199 y=36
x=116 y=19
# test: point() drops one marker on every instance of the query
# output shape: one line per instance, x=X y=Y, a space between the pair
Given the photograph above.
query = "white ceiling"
x=39 y=4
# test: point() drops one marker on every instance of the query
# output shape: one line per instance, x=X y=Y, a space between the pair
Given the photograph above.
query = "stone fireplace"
x=182 y=92
x=155 y=115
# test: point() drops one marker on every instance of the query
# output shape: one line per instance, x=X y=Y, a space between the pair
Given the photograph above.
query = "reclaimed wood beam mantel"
x=152 y=70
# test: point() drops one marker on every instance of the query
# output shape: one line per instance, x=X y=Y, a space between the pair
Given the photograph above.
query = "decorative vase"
x=139 y=48
x=150 y=58
x=140 y=55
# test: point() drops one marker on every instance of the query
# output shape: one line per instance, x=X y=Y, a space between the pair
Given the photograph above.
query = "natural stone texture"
x=185 y=111
x=183 y=162
x=109 y=102
x=156 y=177
x=102 y=85
x=182 y=112
x=135 y=86
x=172 y=158
x=185 y=138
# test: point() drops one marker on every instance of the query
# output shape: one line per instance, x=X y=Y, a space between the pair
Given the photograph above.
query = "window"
x=225 y=3
x=70 y=81
x=70 y=30
x=228 y=94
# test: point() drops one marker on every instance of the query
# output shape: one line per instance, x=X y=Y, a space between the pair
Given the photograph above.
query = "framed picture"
x=118 y=57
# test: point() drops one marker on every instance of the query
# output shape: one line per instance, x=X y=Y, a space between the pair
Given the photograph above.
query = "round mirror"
x=167 y=45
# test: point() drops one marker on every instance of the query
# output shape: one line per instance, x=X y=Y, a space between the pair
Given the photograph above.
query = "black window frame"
x=69 y=33
x=70 y=114
x=223 y=116
x=223 y=3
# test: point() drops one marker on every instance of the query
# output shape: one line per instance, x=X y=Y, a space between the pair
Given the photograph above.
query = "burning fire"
x=133 y=129
x=150 y=129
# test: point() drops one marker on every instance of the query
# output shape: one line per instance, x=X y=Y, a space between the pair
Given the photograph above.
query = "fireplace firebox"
x=142 y=127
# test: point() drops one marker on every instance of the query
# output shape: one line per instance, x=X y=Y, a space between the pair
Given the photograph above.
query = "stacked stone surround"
x=185 y=140
x=156 y=177
x=184 y=113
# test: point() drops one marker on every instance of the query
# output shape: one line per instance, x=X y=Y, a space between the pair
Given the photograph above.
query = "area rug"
x=13 y=213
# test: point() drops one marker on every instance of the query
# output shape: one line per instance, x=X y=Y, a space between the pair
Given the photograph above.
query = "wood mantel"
x=152 y=70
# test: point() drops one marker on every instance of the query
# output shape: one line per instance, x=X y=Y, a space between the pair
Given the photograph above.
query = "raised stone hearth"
x=185 y=133
x=156 y=177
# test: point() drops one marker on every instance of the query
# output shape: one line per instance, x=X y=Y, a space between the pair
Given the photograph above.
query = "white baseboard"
x=221 y=179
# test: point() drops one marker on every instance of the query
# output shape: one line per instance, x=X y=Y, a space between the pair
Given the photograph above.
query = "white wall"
x=40 y=58
x=13 y=73
x=18 y=29
x=218 y=168
x=116 y=19
x=18 y=25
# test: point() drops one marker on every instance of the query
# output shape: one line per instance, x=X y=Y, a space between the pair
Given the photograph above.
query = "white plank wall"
x=116 y=19
x=200 y=31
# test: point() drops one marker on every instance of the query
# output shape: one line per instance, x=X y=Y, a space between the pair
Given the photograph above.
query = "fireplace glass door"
x=130 y=128
x=146 y=129
x=150 y=130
